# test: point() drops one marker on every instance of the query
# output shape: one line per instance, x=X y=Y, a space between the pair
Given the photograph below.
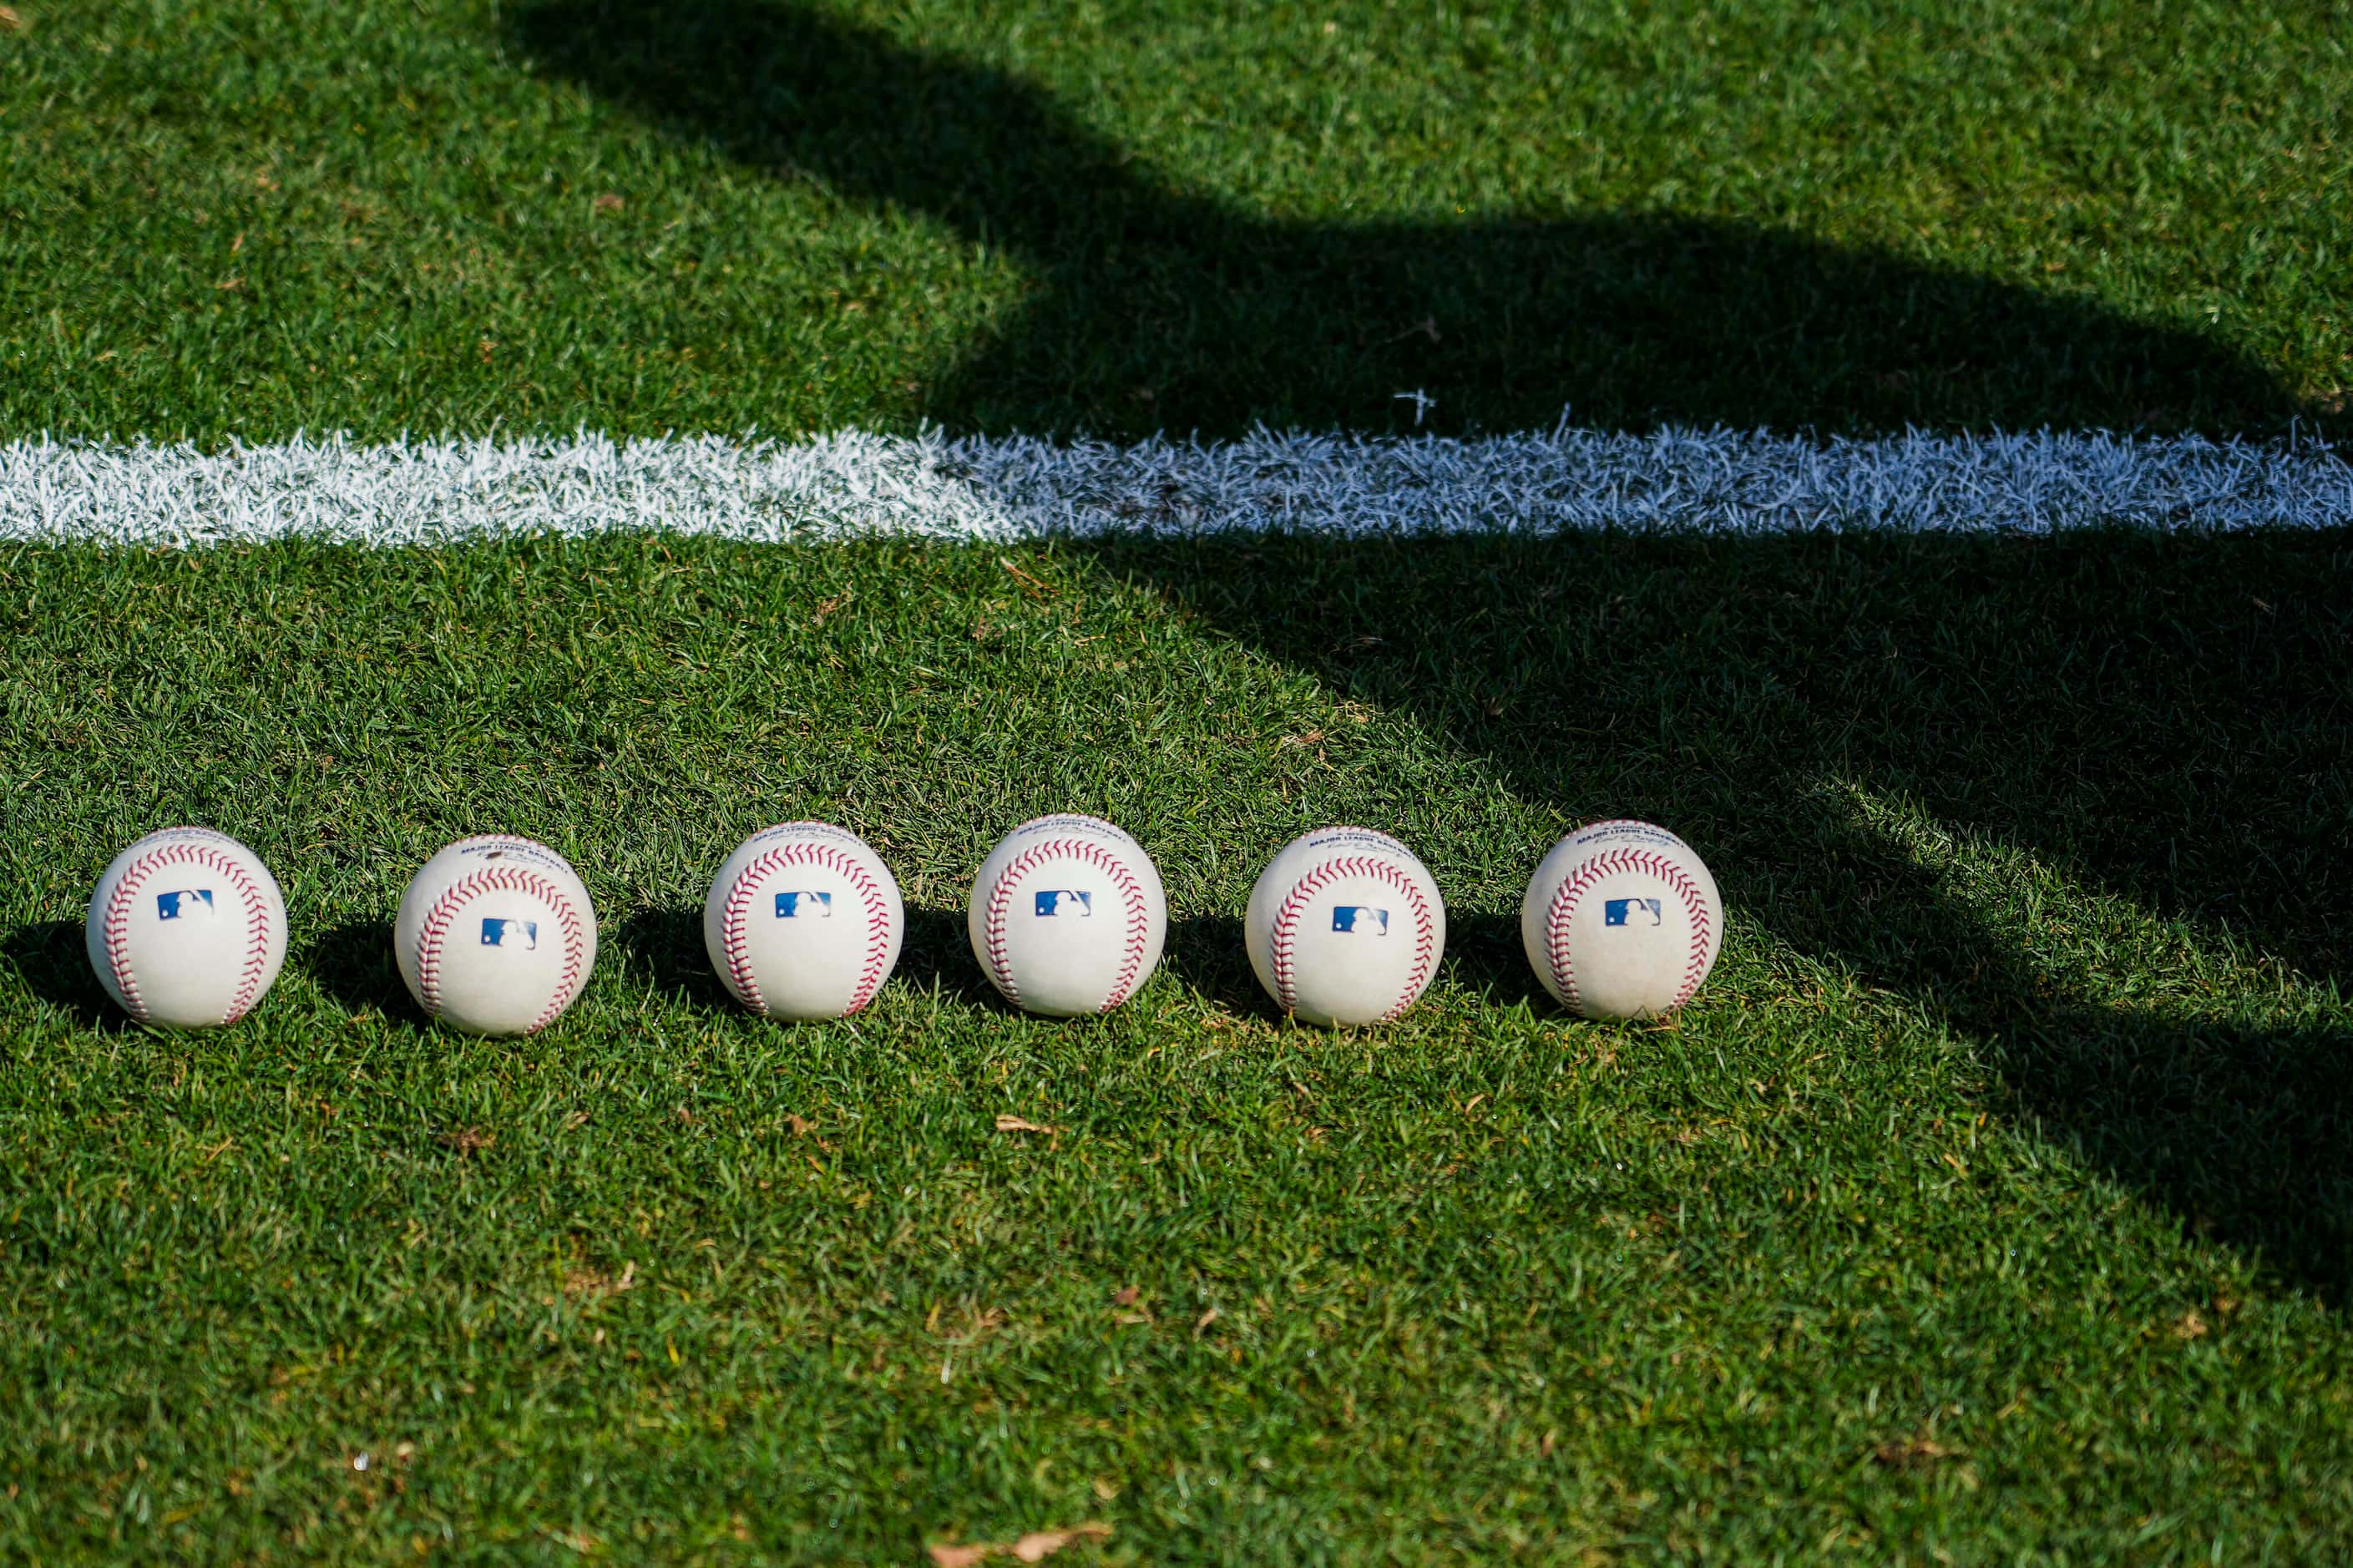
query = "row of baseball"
x=495 y=934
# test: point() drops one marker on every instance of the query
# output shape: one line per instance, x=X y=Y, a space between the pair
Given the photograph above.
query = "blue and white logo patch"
x=1360 y=918
x=186 y=903
x=804 y=906
x=1057 y=902
x=523 y=934
x=1629 y=911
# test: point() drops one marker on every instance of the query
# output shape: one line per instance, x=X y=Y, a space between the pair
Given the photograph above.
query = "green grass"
x=2008 y=1141
x=382 y=216
x=1993 y=1202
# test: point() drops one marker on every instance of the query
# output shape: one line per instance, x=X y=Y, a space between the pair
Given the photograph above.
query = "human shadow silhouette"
x=2163 y=721
x=1157 y=308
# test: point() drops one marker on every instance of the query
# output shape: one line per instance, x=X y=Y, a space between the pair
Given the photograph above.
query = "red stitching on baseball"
x=114 y=930
x=1295 y=902
x=736 y=940
x=505 y=879
x=1564 y=906
x=1131 y=892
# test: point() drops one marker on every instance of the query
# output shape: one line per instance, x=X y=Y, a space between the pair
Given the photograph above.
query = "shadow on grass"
x=51 y=957
x=2166 y=720
x=2242 y=1127
x=1206 y=953
x=352 y=964
x=1484 y=954
x=936 y=959
x=668 y=944
x=1164 y=307
x=2163 y=721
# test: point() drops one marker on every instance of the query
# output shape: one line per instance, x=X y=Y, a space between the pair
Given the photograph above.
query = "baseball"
x=804 y=921
x=1345 y=927
x=1622 y=921
x=187 y=928
x=1068 y=916
x=495 y=935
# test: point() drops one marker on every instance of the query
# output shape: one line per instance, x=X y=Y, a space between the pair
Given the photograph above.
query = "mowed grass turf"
x=380 y=215
x=1990 y=1200
x=1994 y=1200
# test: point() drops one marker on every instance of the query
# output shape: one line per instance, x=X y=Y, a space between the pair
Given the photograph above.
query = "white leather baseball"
x=495 y=935
x=1345 y=927
x=186 y=928
x=1622 y=921
x=804 y=921
x=1068 y=916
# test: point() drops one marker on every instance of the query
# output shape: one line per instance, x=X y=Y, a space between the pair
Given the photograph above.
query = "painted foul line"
x=856 y=484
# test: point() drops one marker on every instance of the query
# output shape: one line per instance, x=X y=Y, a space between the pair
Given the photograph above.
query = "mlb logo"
x=1360 y=917
x=1629 y=911
x=186 y=903
x=523 y=934
x=804 y=906
x=1060 y=901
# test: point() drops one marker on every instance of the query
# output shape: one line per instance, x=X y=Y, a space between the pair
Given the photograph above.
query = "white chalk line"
x=857 y=484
